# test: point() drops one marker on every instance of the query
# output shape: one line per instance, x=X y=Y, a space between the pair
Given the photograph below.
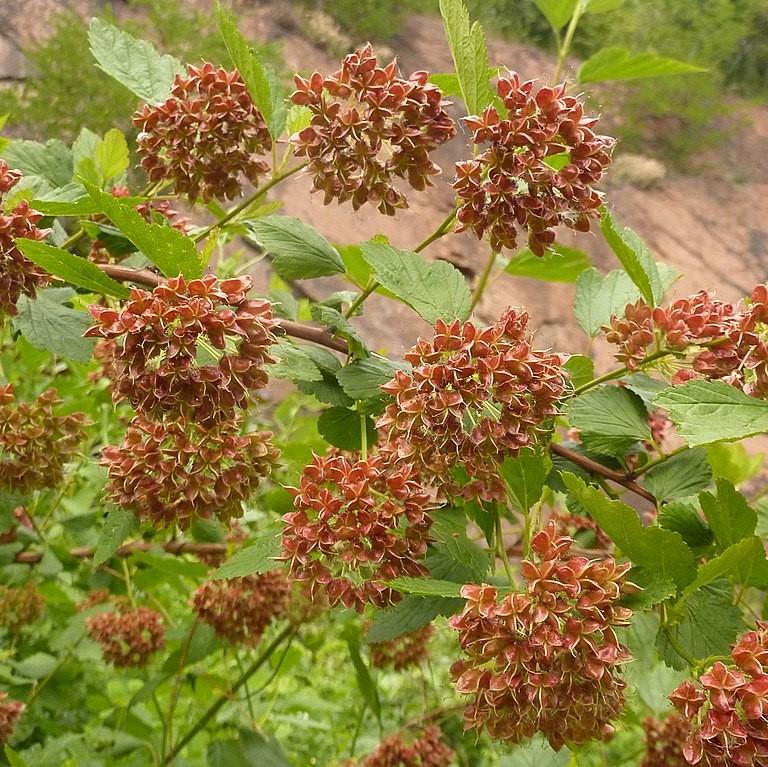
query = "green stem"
x=177 y=682
x=612 y=375
x=363 y=437
x=221 y=701
x=657 y=461
x=482 y=282
x=356 y=734
x=128 y=583
x=238 y=209
x=565 y=47
x=502 y=549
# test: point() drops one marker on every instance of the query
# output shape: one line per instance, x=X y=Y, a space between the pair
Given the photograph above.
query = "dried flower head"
x=664 y=742
x=10 y=711
x=546 y=660
x=427 y=750
x=539 y=170
x=726 y=713
x=20 y=606
x=128 y=636
x=402 y=652
x=18 y=275
x=35 y=443
x=370 y=127
x=92 y=598
x=240 y=609
x=172 y=472
x=193 y=348
x=208 y=137
x=473 y=397
x=357 y=525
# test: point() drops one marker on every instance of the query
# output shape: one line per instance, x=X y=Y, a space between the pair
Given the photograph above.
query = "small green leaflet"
x=558 y=264
x=599 y=296
x=427 y=587
x=557 y=12
x=263 y=84
x=118 y=525
x=449 y=526
x=293 y=364
x=409 y=614
x=134 y=63
x=616 y=63
x=712 y=411
x=744 y=562
x=679 y=476
x=684 y=518
x=363 y=379
x=470 y=55
x=73 y=269
x=733 y=462
x=342 y=428
x=524 y=477
x=111 y=156
x=580 y=369
x=611 y=411
x=435 y=290
x=728 y=514
x=253 y=560
x=45 y=166
x=298 y=251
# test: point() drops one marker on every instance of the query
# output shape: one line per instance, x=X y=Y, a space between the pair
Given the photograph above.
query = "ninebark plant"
x=486 y=552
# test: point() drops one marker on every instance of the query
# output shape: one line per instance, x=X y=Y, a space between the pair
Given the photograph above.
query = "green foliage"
x=558 y=264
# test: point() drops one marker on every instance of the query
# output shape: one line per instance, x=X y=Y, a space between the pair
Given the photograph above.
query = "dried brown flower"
x=20 y=606
x=402 y=652
x=664 y=742
x=10 y=712
x=427 y=750
x=128 y=636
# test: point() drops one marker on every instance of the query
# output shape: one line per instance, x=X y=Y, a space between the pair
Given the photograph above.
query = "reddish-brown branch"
x=172 y=547
x=597 y=469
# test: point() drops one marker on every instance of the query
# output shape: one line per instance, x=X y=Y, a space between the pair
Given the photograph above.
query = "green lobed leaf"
x=111 y=156
x=409 y=614
x=298 y=251
x=294 y=364
x=558 y=264
x=261 y=751
x=134 y=63
x=616 y=63
x=47 y=324
x=712 y=411
x=744 y=562
x=45 y=166
x=340 y=326
x=167 y=248
x=580 y=369
x=118 y=525
x=728 y=514
x=685 y=519
x=557 y=12
x=733 y=462
x=363 y=379
x=524 y=477
x=449 y=526
x=599 y=297
x=659 y=551
x=611 y=411
x=426 y=587
x=434 y=290
x=255 y=559
x=72 y=200
x=679 y=476
x=536 y=752
x=71 y=268
x=341 y=427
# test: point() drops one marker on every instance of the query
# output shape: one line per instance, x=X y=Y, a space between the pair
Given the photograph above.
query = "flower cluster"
x=10 y=711
x=573 y=525
x=206 y=137
x=538 y=171
x=402 y=652
x=35 y=443
x=427 y=750
x=93 y=598
x=473 y=397
x=727 y=712
x=163 y=334
x=370 y=127
x=546 y=660
x=240 y=609
x=151 y=211
x=18 y=275
x=356 y=525
x=664 y=742
x=20 y=606
x=173 y=471
x=128 y=636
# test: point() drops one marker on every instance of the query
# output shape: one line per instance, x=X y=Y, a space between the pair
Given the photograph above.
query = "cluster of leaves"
x=440 y=502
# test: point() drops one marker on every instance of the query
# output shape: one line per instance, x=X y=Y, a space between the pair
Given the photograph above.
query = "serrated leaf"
x=49 y=325
x=341 y=427
x=449 y=526
x=293 y=364
x=728 y=514
x=119 y=524
x=744 y=562
x=685 y=519
x=611 y=411
x=524 y=477
x=426 y=587
x=409 y=614
x=599 y=296
x=45 y=166
x=363 y=379
x=558 y=264
x=712 y=411
x=557 y=12
x=340 y=326
x=134 y=63
x=298 y=251
x=70 y=268
x=71 y=200
x=261 y=751
x=679 y=476
x=580 y=369
x=253 y=560
x=195 y=646
x=644 y=386
x=653 y=548
x=616 y=63
x=434 y=290
x=111 y=156
x=536 y=752
x=167 y=248
x=733 y=462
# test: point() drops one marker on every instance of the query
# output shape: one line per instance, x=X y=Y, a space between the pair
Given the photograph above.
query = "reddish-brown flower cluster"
x=20 y=606
x=727 y=713
x=170 y=472
x=151 y=211
x=239 y=610
x=35 y=443
x=369 y=127
x=402 y=652
x=206 y=137
x=664 y=742
x=128 y=636
x=18 y=275
x=10 y=711
x=474 y=397
x=547 y=660
x=357 y=525
x=93 y=598
x=518 y=183
x=162 y=335
x=428 y=750
x=734 y=338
